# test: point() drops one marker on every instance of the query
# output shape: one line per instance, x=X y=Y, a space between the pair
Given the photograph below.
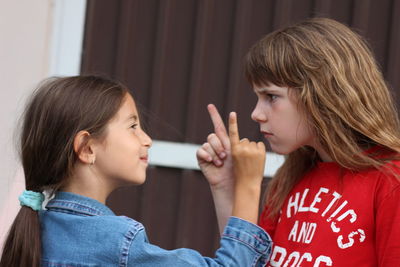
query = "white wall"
x=34 y=43
x=25 y=27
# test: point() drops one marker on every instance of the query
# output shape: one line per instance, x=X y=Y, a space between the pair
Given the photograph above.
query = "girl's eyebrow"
x=132 y=117
x=265 y=90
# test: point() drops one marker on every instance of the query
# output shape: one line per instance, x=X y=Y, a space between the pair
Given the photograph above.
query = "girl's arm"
x=387 y=227
x=242 y=244
x=215 y=161
x=248 y=168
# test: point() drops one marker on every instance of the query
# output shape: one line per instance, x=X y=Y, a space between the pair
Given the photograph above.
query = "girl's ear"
x=83 y=147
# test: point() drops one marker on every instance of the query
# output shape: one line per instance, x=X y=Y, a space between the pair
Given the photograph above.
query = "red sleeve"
x=268 y=224
x=388 y=228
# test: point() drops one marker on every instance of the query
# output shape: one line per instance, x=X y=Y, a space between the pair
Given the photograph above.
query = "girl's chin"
x=139 y=181
x=280 y=150
x=133 y=181
x=284 y=150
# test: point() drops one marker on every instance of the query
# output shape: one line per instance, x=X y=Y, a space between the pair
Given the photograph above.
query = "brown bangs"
x=272 y=60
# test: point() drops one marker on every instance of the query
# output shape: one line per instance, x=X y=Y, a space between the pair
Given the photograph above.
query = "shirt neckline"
x=78 y=204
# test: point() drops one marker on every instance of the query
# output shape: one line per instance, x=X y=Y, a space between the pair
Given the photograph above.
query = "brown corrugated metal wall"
x=180 y=55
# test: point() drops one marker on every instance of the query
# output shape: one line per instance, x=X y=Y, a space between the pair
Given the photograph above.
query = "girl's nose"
x=146 y=140
x=258 y=114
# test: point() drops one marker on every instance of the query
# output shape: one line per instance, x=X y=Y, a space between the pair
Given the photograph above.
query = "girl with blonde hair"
x=323 y=103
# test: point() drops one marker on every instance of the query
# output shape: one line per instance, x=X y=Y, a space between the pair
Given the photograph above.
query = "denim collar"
x=77 y=204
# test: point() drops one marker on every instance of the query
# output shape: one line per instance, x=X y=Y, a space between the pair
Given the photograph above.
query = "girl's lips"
x=266 y=136
x=146 y=158
x=266 y=133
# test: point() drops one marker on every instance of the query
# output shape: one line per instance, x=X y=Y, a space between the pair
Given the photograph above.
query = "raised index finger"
x=219 y=126
x=233 y=129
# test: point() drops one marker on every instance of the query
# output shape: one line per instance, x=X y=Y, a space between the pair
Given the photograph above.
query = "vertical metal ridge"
x=196 y=211
x=322 y=7
x=393 y=54
x=87 y=38
x=360 y=14
x=235 y=70
x=198 y=68
x=283 y=10
x=159 y=58
x=91 y=62
x=126 y=23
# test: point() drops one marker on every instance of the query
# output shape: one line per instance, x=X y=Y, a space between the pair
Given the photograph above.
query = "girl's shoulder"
x=390 y=169
x=120 y=224
x=71 y=238
x=389 y=172
x=385 y=180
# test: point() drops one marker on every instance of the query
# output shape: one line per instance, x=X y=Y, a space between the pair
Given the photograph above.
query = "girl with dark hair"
x=81 y=139
x=323 y=103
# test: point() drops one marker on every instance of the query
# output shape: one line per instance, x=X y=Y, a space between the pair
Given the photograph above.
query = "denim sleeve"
x=242 y=244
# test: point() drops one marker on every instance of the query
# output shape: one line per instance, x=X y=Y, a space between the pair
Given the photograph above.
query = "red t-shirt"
x=327 y=220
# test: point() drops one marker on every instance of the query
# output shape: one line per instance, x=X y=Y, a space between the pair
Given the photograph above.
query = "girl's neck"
x=84 y=182
x=322 y=154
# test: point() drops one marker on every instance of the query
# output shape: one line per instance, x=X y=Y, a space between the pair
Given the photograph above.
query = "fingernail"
x=218 y=162
x=209 y=159
x=222 y=155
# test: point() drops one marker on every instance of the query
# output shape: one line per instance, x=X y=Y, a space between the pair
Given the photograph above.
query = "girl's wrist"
x=251 y=183
x=248 y=191
x=246 y=204
x=226 y=184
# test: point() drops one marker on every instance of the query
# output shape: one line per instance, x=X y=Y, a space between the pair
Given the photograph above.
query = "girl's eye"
x=272 y=97
x=134 y=126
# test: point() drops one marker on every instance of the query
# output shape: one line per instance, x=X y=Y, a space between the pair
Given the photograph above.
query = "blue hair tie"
x=31 y=199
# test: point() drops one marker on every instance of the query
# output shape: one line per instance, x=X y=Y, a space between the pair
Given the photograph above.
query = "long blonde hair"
x=340 y=89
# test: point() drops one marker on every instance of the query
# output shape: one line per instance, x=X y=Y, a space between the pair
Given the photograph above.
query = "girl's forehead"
x=127 y=110
x=130 y=105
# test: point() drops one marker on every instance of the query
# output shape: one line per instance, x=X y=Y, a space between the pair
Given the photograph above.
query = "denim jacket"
x=80 y=232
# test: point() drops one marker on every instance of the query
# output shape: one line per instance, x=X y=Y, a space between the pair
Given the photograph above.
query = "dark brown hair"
x=340 y=89
x=56 y=112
